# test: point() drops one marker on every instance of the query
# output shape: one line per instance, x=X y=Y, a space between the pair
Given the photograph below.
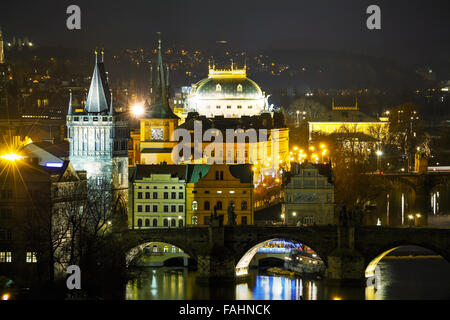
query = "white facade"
x=227 y=93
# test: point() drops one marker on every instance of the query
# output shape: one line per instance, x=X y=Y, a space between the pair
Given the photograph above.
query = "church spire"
x=98 y=99
x=167 y=81
x=69 y=112
x=151 y=78
x=159 y=107
x=161 y=71
x=111 y=110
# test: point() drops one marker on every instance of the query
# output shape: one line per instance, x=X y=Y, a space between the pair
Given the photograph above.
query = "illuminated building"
x=159 y=122
x=309 y=196
x=269 y=152
x=348 y=119
x=98 y=136
x=219 y=186
x=33 y=203
x=157 y=196
x=228 y=93
x=47 y=152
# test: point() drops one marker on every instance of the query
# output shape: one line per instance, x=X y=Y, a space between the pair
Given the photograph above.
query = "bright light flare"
x=6 y=296
x=11 y=157
x=138 y=110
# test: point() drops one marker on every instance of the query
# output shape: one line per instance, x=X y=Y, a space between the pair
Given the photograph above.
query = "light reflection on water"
x=407 y=278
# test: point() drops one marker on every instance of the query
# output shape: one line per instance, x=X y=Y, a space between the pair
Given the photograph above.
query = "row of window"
x=219 y=191
x=155 y=187
x=173 y=195
x=173 y=208
x=154 y=222
x=219 y=205
x=6 y=257
x=238 y=87
x=229 y=107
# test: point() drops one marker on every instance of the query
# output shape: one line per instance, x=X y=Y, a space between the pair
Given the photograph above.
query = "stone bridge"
x=350 y=253
x=402 y=194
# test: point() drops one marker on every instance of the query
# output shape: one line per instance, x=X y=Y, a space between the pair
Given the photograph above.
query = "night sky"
x=412 y=31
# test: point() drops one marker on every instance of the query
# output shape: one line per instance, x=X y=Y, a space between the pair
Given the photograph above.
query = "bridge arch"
x=136 y=252
x=373 y=260
x=252 y=248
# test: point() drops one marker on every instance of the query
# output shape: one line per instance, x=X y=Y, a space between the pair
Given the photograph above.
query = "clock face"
x=157 y=134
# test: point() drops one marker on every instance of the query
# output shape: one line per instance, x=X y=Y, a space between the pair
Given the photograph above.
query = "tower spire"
x=111 y=110
x=151 y=78
x=159 y=108
x=98 y=99
x=167 y=81
x=161 y=70
x=69 y=112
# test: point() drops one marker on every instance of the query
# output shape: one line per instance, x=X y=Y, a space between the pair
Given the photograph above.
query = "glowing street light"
x=138 y=110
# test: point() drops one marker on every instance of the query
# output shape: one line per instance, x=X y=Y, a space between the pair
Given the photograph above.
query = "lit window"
x=239 y=88
x=194 y=205
x=5 y=256
x=218 y=87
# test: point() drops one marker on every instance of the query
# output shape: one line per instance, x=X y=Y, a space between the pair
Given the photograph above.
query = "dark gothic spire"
x=111 y=109
x=98 y=99
x=159 y=107
x=69 y=112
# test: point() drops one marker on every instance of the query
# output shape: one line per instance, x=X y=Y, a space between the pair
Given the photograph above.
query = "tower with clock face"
x=159 y=122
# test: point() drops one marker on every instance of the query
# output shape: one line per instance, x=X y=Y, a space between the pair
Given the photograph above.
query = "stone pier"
x=345 y=264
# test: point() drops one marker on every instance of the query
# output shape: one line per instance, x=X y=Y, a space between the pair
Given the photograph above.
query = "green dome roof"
x=237 y=88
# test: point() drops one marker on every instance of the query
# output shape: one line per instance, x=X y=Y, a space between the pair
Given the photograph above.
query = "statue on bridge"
x=231 y=215
x=348 y=218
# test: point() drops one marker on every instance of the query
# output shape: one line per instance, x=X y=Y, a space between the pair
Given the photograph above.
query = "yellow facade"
x=218 y=188
x=372 y=129
x=155 y=140
x=157 y=201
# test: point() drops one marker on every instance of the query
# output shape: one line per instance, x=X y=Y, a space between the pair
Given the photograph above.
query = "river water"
x=398 y=278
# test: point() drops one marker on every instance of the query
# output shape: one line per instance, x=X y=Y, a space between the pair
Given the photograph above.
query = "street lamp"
x=282 y=217
x=411 y=219
x=138 y=110
x=418 y=216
